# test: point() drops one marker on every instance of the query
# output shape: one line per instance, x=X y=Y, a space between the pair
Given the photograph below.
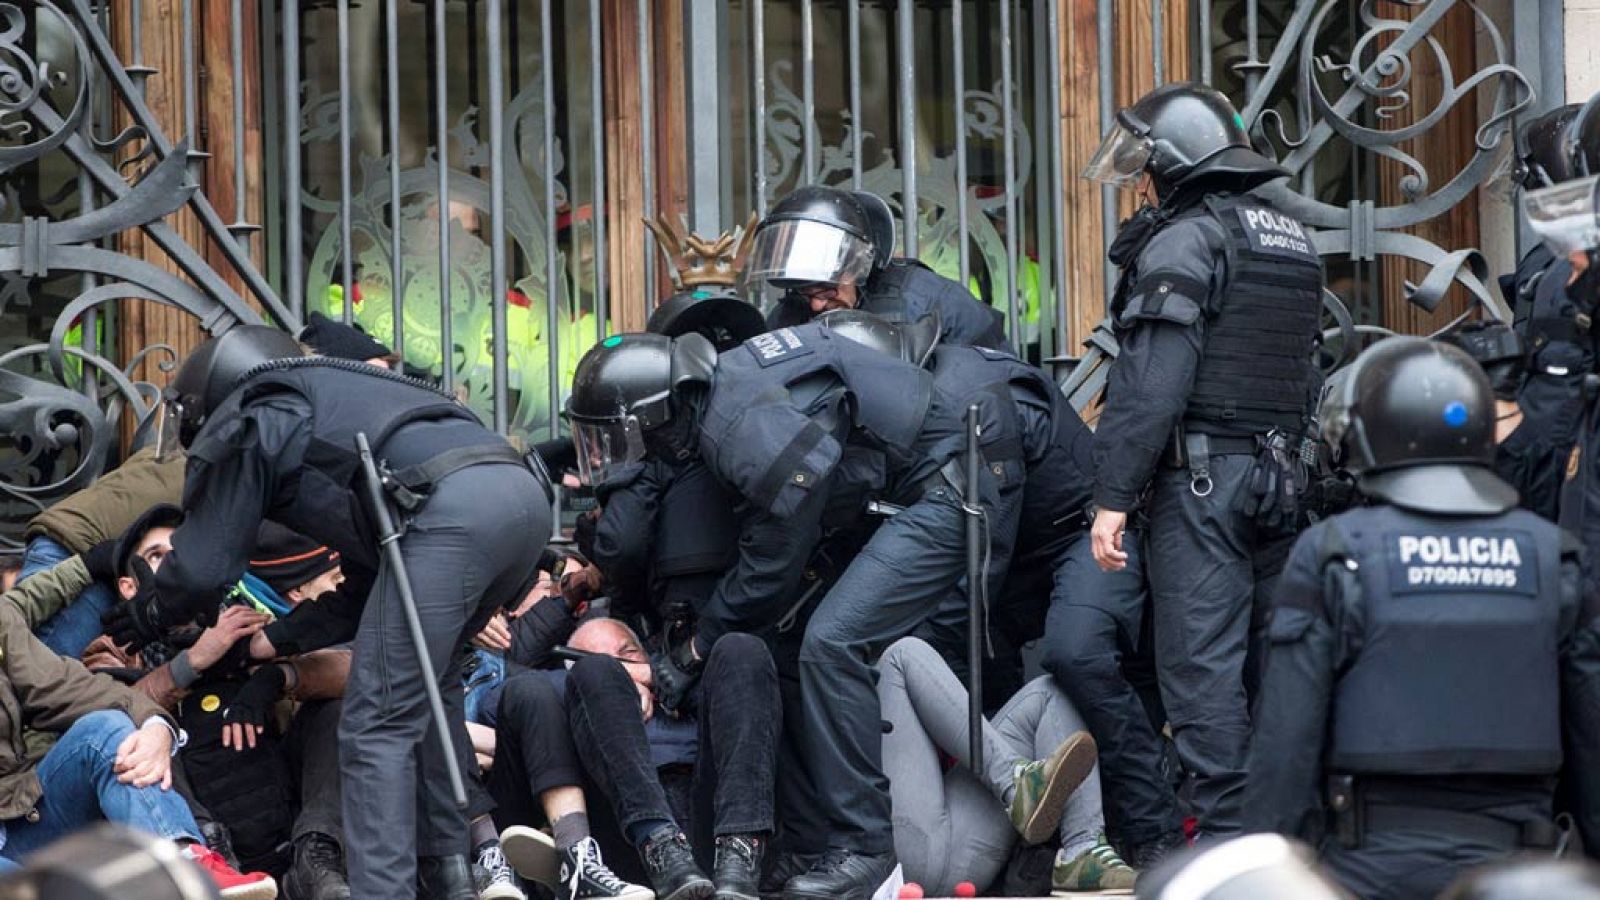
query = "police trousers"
x=1097 y=646
x=1210 y=575
x=471 y=549
x=910 y=564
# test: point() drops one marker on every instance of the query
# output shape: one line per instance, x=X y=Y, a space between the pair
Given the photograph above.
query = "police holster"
x=409 y=488
x=1353 y=817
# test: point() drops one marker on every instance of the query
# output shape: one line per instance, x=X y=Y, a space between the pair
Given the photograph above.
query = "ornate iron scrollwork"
x=55 y=438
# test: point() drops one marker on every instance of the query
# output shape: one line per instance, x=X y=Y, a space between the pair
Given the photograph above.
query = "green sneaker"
x=1097 y=869
x=1043 y=786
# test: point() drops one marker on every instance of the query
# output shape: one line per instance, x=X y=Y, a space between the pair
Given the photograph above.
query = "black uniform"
x=905 y=288
x=282 y=446
x=1216 y=313
x=1423 y=672
x=1041 y=455
x=663 y=539
x=787 y=414
x=1560 y=355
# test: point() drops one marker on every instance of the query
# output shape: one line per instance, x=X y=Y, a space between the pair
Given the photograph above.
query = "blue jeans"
x=69 y=631
x=80 y=787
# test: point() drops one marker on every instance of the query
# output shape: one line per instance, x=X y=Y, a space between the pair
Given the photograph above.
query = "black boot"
x=782 y=867
x=842 y=875
x=737 y=872
x=445 y=878
x=673 y=872
x=216 y=837
x=318 y=870
x=1146 y=856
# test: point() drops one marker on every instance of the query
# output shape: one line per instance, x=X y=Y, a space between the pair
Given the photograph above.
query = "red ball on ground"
x=912 y=891
x=966 y=889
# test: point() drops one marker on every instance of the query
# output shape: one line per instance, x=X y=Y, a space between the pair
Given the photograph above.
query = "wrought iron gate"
x=516 y=145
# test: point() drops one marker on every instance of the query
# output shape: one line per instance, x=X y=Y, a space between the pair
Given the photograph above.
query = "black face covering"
x=1134 y=233
x=678 y=439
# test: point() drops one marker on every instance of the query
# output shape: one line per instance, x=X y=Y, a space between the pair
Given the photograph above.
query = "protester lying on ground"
x=1039 y=779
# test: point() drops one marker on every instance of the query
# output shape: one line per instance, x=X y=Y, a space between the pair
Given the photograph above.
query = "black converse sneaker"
x=584 y=874
x=492 y=876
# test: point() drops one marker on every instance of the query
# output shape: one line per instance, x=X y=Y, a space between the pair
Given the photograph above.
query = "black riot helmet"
x=1547 y=149
x=1244 y=868
x=213 y=370
x=816 y=235
x=1583 y=139
x=1178 y=133
x=624 y=388
x=1413 y=420
x=912 y=342
x=717 y=313
x=1496 y=347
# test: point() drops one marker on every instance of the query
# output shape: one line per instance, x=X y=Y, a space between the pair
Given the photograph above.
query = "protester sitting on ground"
x=1039 y=778
x=268 y=793
x=534 y=776
x=610 y=697
x=101 y=766
x=98 y=514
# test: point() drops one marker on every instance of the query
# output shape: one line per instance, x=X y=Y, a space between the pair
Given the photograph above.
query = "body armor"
x=782 y=405
x=1256 y=371
x=1457 y=671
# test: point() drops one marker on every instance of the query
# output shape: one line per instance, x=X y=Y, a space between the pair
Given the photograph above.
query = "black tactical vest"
x=1457 y=670
x=328 y=503
x=1256 y=371
x=765 y=425
x=251 y=791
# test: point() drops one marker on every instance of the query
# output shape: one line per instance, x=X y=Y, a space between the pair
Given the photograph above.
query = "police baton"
x=976 y=623
x=389 y=543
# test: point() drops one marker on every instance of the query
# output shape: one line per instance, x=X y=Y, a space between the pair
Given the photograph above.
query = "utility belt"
x=1277 y=481
x=1353 y=817
x=409 y=488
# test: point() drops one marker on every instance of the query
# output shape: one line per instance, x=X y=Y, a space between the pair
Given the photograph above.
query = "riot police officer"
x=788 y=421
x=1544 y=315
x=826 y=248
x=271 y=434
x=1217 y=314
x=1428 y=653
x=1529 y=454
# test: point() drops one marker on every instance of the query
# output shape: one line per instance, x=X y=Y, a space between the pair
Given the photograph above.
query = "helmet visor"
x=606 y=447
x=1121 y=158
x=1565 y=216
x=793 y=253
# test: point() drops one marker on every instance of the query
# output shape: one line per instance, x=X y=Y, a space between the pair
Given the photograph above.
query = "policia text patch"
x=1471 y=561
x=777 y=346
x=1275 y=234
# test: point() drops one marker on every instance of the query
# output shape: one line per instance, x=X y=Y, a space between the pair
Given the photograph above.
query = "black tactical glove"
x=1585 y=291
x=101 y=561
x=675 y=671
x=135 y=622
x=257 y=697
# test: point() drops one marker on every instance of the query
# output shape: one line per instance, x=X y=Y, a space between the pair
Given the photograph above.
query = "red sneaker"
x=233 y=885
